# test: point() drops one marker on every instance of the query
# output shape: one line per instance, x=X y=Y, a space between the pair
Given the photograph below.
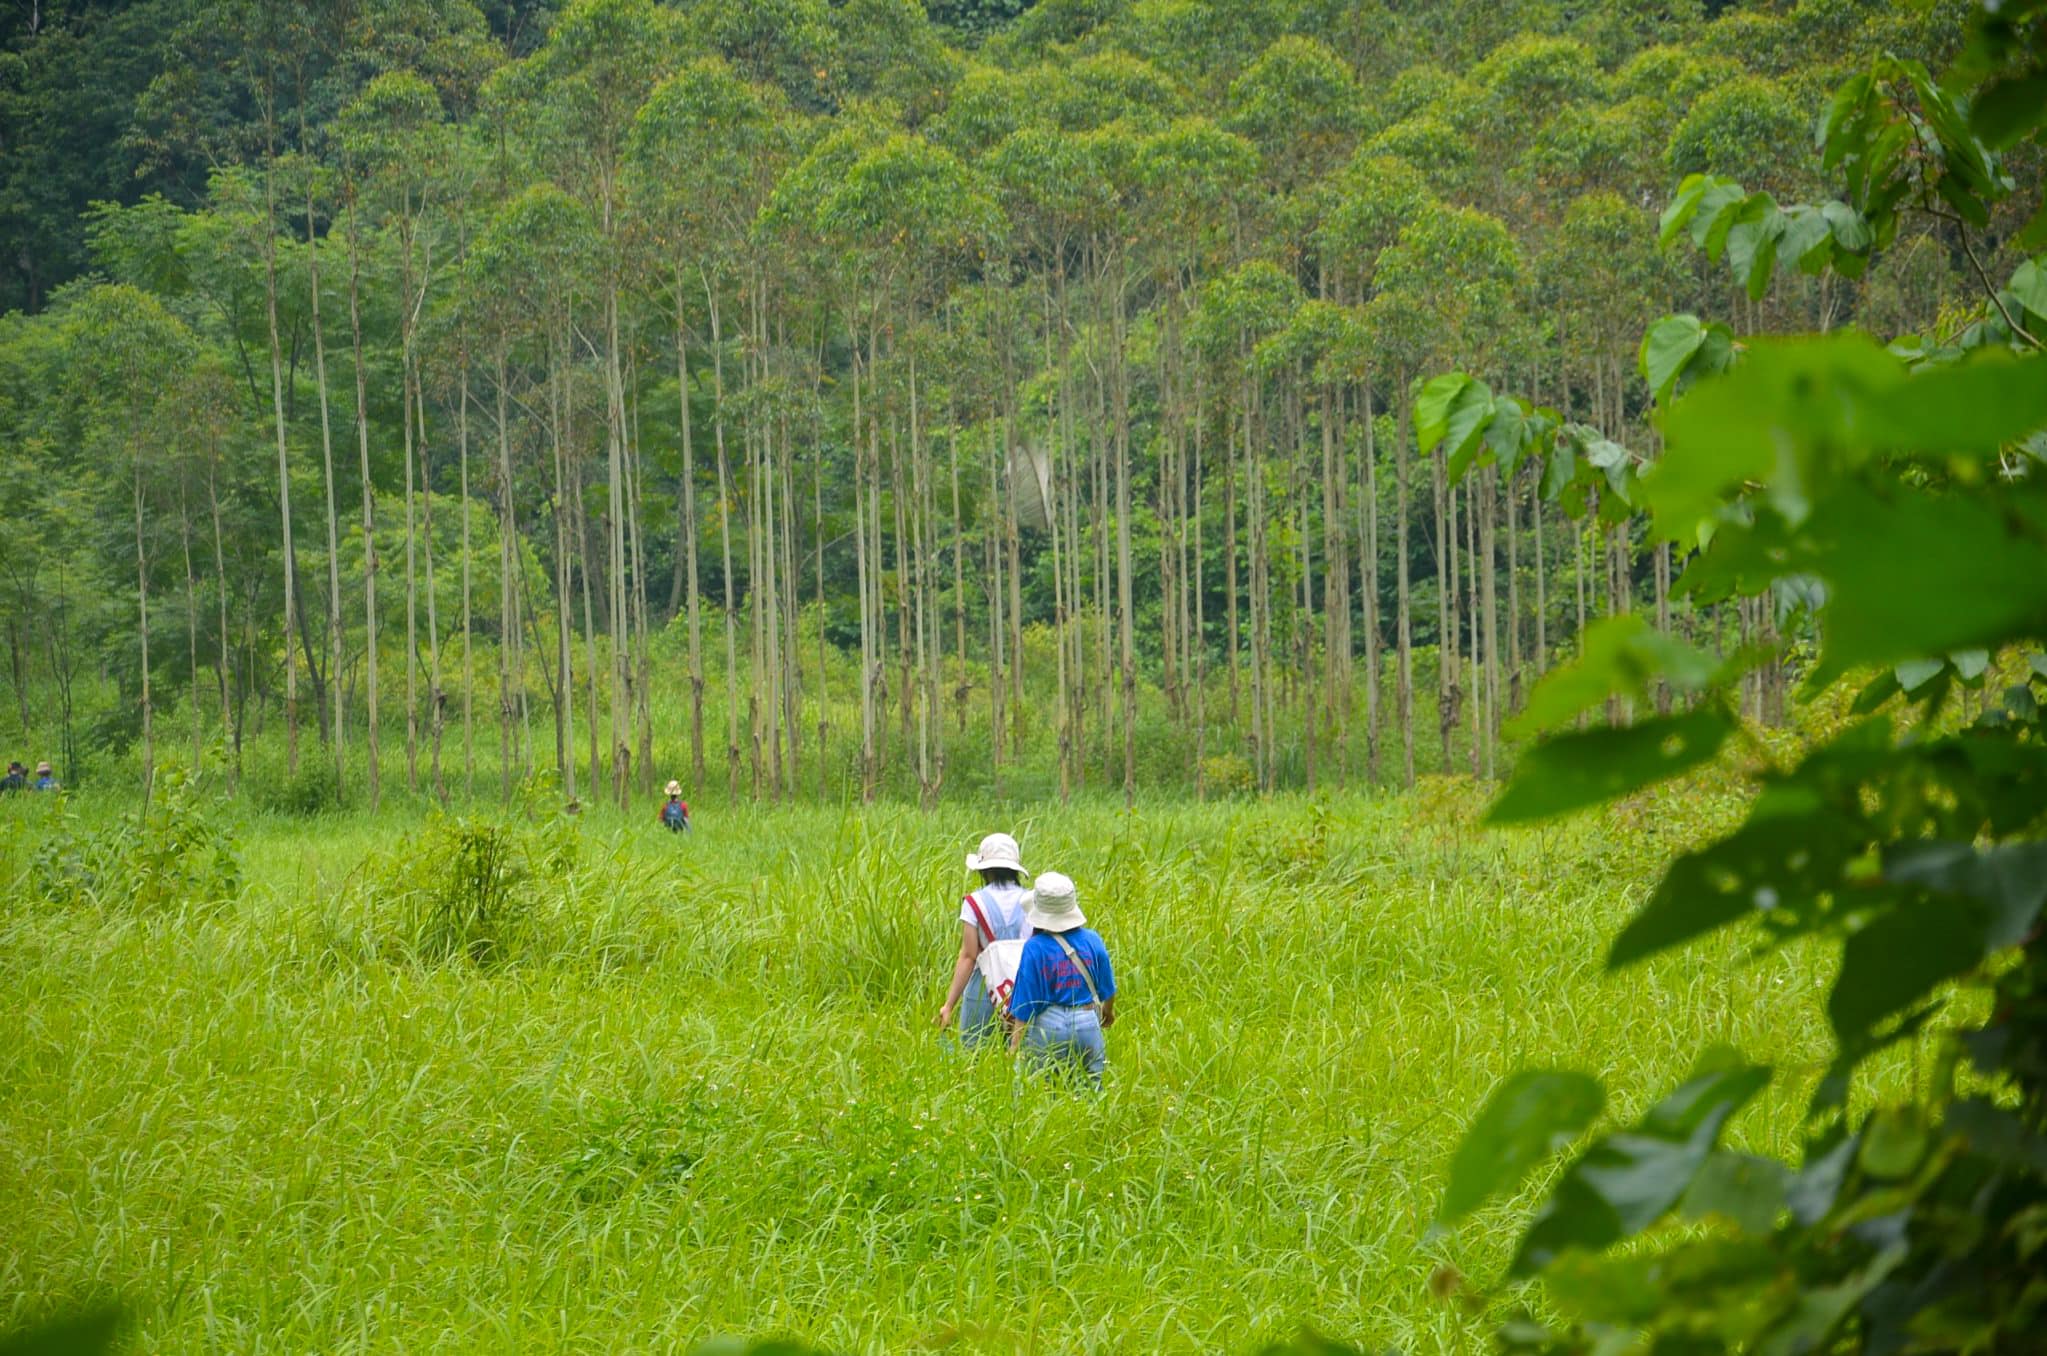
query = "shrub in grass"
x=175 y=855
x=312 y=790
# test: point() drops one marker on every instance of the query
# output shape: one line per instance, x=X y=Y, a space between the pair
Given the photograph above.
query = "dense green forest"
x=871 y=399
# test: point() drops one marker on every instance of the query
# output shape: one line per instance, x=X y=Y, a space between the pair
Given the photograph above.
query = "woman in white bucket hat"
x=1065 y=991
x=993 y=913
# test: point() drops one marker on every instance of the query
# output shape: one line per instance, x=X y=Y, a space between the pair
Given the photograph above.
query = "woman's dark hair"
x=991 y=874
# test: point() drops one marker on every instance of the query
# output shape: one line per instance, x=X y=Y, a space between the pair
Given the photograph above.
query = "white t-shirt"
x=1003 y=903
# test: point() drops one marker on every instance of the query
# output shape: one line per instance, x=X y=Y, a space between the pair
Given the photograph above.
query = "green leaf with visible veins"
x=1529 y=1117
x=1572 y=771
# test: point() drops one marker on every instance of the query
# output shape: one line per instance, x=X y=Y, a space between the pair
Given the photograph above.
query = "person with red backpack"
x=992 y=928
x=675 y=812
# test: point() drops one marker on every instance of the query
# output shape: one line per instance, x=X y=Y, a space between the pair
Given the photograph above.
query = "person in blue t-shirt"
x=1065 y=991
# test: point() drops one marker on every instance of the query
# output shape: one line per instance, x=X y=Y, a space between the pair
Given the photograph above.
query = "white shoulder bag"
x=998 y=961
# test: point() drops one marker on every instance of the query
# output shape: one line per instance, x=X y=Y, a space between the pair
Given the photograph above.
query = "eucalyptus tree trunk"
x=619 y=611
x=725 y=545
x=564 y=567
x=1368 y=584
x=1446 y=605
x=225 y=663
x=1489 y=605
x=1541 y=577
x=468 y=611
x=436 y=698
x=1127 y=656
x=191 y=633
x=686 y=567
x=291 y=689
x=336 y=723
x=142 y=603
x=1230 y=554
x=1403 y=423
x=509 y=630
x=864 y=571
x=1200 y=646
x=369 y=526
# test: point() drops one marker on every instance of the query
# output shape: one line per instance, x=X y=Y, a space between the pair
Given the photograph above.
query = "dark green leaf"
x=2008 y=109
x=1900 y=957
x=1529 y=1117
x=1669 y=344
x=1893 y=1143
x=2029 y=287
x=2009 y=880
x=1623 y=656
x=1625 y=1182
x=84 y=1333
x=1742 y=1188
x=1573 y=771
x=1777 y=860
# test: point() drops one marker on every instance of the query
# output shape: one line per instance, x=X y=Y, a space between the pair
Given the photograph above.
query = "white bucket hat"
x=1053 y=905
x=998 y=850
x=675 y=788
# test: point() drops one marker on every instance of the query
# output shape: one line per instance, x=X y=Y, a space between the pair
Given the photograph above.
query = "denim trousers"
x=1066 y=1038
x=977 y=1015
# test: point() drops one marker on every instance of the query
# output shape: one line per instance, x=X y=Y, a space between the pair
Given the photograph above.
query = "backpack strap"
x=1080 y=965
x=980 y=918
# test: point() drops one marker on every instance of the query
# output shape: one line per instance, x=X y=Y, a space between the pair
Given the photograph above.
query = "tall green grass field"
x=535 y=1083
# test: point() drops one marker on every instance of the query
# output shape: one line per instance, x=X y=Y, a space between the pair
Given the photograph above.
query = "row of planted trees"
x=642 y=337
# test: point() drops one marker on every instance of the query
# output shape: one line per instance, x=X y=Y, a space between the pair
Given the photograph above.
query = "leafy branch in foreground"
x=1901 y=493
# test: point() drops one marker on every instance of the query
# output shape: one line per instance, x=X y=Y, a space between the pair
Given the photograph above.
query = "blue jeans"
x=1066 y=1038
x=978 y=1021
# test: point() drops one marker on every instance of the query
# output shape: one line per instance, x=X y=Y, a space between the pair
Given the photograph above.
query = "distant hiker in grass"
x=992 y=929
x=675 y=813
x=46 y=780
x=1065 y=991
x=16 y=778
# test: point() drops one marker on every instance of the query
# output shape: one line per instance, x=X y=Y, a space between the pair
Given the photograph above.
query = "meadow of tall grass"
x=521 y=1082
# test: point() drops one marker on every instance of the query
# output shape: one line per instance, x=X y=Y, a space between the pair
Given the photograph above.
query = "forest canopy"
x=879 y=398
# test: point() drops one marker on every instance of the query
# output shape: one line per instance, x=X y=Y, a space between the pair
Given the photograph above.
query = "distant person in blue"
x=675 y=811
x=46 y=780
x=16 y=778
x=1065 y=991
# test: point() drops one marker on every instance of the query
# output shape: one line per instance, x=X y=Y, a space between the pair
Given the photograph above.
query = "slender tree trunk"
x=1402 y=425
x=686 y=512
x=725 y=547
x=192 y=634
x=509 y=567
x=468 y=580
x=291 y=690
x=372 y=715
x=336 y=720
x=142 y=604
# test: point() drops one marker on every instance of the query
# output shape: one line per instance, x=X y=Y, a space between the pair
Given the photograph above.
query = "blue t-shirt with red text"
x=1045 y=978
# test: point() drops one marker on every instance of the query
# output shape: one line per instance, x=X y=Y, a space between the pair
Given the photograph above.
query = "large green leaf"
x=1912 y=574
x=2029 y=285
x=1625 y=1182
x=1900 y=957
x=1739 y=1187
x=2009 y=881
x=1667 y=346
x=1570 y=772
x=1777 y=860
x=1529 y=1117
x=1623 y=657
x=1780 y=419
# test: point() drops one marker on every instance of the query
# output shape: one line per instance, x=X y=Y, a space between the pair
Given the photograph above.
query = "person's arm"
x=1016 y=1034
x=962 y=971
x=1109 y=1011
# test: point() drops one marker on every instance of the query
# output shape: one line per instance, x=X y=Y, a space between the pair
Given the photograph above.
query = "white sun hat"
x=675 y=788
x=998 y=850
x=1053 y=904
